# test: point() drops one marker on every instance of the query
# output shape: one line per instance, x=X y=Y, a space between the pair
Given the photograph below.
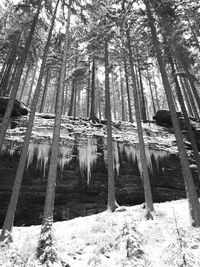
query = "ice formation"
x=133 y=153
x=42 y=152
x=87 y=153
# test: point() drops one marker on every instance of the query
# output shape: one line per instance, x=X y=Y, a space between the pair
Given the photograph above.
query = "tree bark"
x=93 y=91
x=44 y=95
x=31 y=87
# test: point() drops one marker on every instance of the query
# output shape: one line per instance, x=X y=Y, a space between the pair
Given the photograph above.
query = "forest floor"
x=120 y=239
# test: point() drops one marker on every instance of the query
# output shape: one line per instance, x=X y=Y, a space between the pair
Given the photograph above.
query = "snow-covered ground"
x=116 y=240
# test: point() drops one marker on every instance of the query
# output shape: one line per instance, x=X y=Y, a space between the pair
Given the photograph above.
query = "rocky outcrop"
x=74 y=195
x=19 y=108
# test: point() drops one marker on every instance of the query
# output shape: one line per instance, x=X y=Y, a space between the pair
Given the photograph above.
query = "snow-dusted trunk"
x=112 y=204
x=8 y=222
x=194 y=206
x=45 y=251
x=145 y=174
x=10 y=105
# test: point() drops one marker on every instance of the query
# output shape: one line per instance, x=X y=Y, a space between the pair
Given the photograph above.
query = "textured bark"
x=193 y=201
x=88 y=90
x=112 y=204
x=128 y=92
x=114 y=98
x=10 y=105
x=8 y=223
x=145 y=172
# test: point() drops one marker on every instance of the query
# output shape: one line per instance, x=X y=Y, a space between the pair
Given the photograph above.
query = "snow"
x=115 y=240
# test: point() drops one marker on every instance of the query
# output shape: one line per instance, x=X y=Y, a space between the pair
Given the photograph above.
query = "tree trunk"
x=194 y=206
x=10 y=105
x=112 y=204
x=151 y=92
x=145 y=171
x=45 y=251
x=44 y=95
x=186 y=97
x=128 y=91
x=8 y=223
x=31 y=87
x=93 y=92
x=24 y=82
x=143 y=106
x=114 y=98
x=122 y=94
x=88 y=91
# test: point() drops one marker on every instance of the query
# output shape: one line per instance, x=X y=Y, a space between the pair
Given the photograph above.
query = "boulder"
x=19 y=108
x=163 y=117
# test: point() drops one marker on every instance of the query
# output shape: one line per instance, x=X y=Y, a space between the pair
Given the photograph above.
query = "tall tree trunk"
x=145 y=171
x=45 y=251
x=122 y=94
x=44 y=95
x=186 y=97
x=193 y=104
x=10 y=105
x=88 y=91
x=31 y=87
x=194 y=206
x=112 y=204
x=24 y=82
x=156 y=92
x=8 y=222
x=72 y=99
x=143 y=106
x=114 y=98
x=151 y=92
x=93 y=91
x=128 y=91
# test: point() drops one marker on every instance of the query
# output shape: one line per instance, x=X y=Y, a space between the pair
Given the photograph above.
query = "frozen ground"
x=115 y=240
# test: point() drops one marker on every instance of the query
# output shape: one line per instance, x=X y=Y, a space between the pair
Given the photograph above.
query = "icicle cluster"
x=133 y=153
x=87 y=153
x=42 y=151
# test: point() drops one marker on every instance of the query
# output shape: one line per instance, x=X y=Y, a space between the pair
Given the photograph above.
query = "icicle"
x=65 y=157
x=116 y=163
x=133 y=153
x=43 y=156
x=31 y=152
x=87 y=156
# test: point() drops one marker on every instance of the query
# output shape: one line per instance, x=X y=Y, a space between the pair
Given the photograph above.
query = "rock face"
x=83 y=161
x=18 y=109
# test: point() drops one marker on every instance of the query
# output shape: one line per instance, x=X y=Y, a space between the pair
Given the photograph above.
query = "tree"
x=45 y=251
x=112 y=204
x=10 y=105
x=194 y=207
x=6 y=234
